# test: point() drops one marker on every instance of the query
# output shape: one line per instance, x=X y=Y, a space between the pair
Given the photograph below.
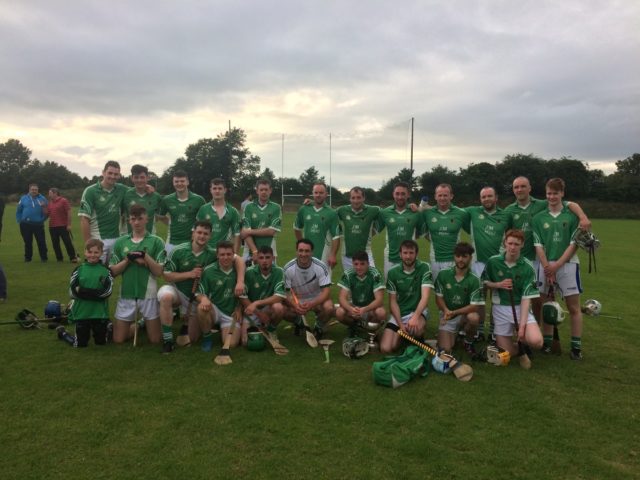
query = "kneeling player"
x=409 y=285
x=458 y=296
x=361 y=294
x=511 y=277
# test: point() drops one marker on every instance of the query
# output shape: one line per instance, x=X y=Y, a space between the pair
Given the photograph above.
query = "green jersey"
x=182 y=216
x=401 y=225
x=137 y=280
x=554 y=233
x=93 y=276
x=357 y=228
x=103 y=208
x=183 y=259
x=487 y=230
x=219 y=286
x=407 y=286
x=521 y=217
x=522 y=273
x=362 y=289
x=458 y=293
x=259 y=286
x=150 y=201
x=256 y=216
x=320 y=225
x=443 y=230
x=222 y=229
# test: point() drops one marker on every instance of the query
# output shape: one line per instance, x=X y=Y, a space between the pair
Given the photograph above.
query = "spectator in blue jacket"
x=31 y=214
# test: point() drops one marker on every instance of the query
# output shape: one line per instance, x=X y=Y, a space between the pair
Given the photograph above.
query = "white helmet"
x=592 y=307
x=552 y=313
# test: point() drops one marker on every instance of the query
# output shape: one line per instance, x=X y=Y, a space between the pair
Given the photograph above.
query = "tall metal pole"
x=329 y=169
x=282 y=174
x=411 y=145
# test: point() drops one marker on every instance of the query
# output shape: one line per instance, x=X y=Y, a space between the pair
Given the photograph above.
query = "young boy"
x=90 y=287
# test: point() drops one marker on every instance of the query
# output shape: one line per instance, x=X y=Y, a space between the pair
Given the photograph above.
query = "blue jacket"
x=32 y=209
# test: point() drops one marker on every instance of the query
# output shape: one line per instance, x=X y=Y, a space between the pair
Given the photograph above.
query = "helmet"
x=592 y=307
x=27 y=319
x=355 y=347
x=255 y=341
x=552 y=313
x=586 y=240
x=53 y=310
x=441 y=361
x=498 y=356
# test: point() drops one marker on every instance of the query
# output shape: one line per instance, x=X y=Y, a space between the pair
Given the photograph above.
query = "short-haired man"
x=138 y=257
x=357 y=225
x=361 y=294
x=261 y=221
x=310 y=281
x=179 y=210
x=224 y=218
x=458 y=296
x=138 y=195
x=409 y=286
x=60 y=225
x=401 y=223
x=442 y=226
x=553 y=232
x=510 y=275
x=264 y=293
x=318 y=222
x=101 y=209
x=30 y=215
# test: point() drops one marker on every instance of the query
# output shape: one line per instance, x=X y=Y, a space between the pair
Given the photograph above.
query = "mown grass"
x=120 y=412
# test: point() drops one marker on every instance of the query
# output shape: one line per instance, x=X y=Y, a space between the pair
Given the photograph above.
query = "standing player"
x=224 y=218
x=357 y=222
x=138 y=257
x=510 y=271
x=179 y=210
x=319 y=223
x=458 y=296
x=553 y=232
x=261 y=221
x=361 y=294
x=409 y=285
x=138 y=194
x=401 y=223
x=310 y=280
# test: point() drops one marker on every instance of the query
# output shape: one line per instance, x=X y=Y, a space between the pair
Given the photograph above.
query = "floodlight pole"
x=411 y=166
x=282 y=174
x=329 y=169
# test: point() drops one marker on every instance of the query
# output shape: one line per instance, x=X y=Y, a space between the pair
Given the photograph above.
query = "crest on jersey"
x=516 y=216
x=546 y=225
x=481 y=216
x=500 y=274
x=219 y=282
x=348 y=217
x=253 y=215
x=434 y=220
x=256 y=285
x=448 y=286
x=308 y=217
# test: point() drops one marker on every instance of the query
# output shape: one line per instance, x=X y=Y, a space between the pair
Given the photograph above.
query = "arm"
x=252 y=307
x=121 y=266
x=414 y=321
x=505 y=284
x=394 y=308
x=68 y=216
x=585 y=223
x=550 y=268
x=343 y=300
x=154 y=267
x=85 y=228
x=335 y=245
x=324 y=295
x=377 y=302
x=252 y=247
x=240 y=269
x=174 y=277
x=524 y=314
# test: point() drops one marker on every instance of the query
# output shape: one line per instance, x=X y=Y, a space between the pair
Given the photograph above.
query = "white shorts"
x=478 y=268
x=503 y=319
x=437 y=266
x=405 y=319
x=126 y=309
x=347 y=262
x=567 y=278
x=107 y=250
x=453 y=325
x=222 y=319
x=177 y=297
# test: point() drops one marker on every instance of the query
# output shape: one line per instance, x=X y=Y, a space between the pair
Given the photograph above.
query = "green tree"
x=405 y=175
x=437 y=175
x=521 y=165
x=475 y=177
x=14 y=157
x=574 y=172
x=308 y=178
x=624 y=184
x=50 y=174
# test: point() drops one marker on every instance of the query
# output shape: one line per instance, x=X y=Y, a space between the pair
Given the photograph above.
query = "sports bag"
x=396 y=371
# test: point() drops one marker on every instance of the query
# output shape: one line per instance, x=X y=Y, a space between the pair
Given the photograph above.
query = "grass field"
x=120 y=412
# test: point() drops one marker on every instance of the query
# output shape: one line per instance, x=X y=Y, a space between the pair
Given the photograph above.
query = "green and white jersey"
x=522 y=273
x=183 y=259
x=95 y=276
x=259 y=286
x=137 y=281
x=554 y=233
x=219 y=286
x=401 y=225
x=407 y=286
x=182 y=216
x=487 y=230
x=443 y=230
x=521 y=218
x=150 y=201
x=357 y=228
x=225 y=228
x=457 y=294
x=320 y=225
x=258 y=216
x=362 y=289
x=104 y=209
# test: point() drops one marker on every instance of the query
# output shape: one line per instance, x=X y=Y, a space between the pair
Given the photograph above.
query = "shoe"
x=479 y=337
x=59 y=260
x=318 y=332
x=109 y=332
x=468 y=347
x=207 y=344
x=141 y=324
x=546 y=349
x=184 y=330
x=575 y=354
x=167 y=348
x=61 y=332
x=2 y=300
x=75 y=259
x=298 y=326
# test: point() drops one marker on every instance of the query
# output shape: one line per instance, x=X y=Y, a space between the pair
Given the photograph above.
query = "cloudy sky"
x=137 y=81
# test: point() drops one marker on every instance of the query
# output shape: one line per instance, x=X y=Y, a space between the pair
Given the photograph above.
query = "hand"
x=585 y=224
x=195 y=273
x=551 y=269
x=239 y=290
x=135 y=255
x=244 y=233
x=448 y=315
x=68 y=228
x=506 y=284
x=250 y=309
x=521 y=332
x=331 y=261
x=356 y=312
x=413 y=324
x=204 y=303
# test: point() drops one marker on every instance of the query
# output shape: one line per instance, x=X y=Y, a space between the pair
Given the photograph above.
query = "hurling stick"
x=183 y=339
x=224 y=357
x=556 y=346
x=523 y=358
x=462 y=371
x=311 y=339
x=278 y=348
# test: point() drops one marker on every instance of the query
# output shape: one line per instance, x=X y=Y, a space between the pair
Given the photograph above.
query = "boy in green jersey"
x=409 y=285
x=138 y=257
x=553 y=233
x=179 y=211
x=357 y=225
x=138 y=194
x=90 y=287
x=224 y=218
x=261 y=221
x=458 y=296
x=361 y=294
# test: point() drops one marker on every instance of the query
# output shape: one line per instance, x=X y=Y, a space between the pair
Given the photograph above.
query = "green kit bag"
x=396 y=371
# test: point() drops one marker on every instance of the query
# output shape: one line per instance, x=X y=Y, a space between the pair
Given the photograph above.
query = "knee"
x=340 y=313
